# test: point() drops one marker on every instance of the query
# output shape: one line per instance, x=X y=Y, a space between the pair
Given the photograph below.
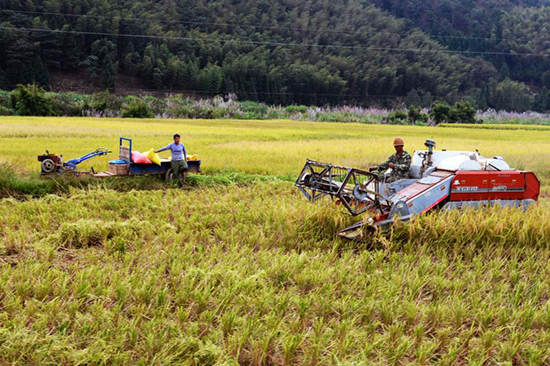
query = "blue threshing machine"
x=125 y=166
x=52 y=164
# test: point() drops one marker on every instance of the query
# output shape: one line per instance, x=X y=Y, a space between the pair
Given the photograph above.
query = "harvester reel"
x=48 y=166
x=362 y=193
x=357 y=190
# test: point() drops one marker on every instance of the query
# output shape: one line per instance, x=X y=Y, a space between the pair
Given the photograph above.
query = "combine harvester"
x=438 y=180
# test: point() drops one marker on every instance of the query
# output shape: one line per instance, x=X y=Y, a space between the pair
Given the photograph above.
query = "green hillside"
x=310 y=52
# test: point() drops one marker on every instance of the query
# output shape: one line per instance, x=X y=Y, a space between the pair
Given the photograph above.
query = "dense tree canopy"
x=288 y=51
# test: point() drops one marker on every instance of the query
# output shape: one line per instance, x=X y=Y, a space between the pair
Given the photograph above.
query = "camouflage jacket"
x=402 y=166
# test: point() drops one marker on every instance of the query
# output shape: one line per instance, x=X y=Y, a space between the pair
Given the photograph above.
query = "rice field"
x=276 y=147
x=251 y=273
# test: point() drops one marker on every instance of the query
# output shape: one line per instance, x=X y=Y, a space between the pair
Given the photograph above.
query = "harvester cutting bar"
x=356 y=189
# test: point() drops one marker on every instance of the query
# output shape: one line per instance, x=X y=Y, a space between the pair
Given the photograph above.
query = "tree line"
x=313 y=52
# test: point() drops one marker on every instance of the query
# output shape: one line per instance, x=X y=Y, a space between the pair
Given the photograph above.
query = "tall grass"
x=504 y=117
x=242 y=270
x=12 y=185
x=254 y=275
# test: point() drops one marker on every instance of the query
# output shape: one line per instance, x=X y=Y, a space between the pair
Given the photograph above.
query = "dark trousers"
x=178 y=167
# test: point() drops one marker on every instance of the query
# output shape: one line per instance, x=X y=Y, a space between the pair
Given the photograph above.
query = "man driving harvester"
x=179 y=157
x=400 y=163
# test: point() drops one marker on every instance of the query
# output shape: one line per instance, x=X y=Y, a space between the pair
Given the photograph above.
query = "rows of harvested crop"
x=254 y=274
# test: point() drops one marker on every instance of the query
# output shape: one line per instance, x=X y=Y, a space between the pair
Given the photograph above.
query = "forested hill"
x=501 y=28
x=287 y=51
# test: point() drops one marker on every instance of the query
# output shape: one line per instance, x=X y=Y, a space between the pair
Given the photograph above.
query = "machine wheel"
x=48 y=166
x=169 y=175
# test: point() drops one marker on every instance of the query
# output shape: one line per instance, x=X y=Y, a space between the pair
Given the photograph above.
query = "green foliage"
x=105 y=104
x=105 y=101
x=137 y=109
x=219 y=59
x=4 y=111
x=68 y=104
x=415 y=116
x=291 y=109
x=546 y=79
x=31 y=100
x=541 y=102
x=253 y=110
x=5 y=99
x=276 y=113
x=484 y=26
x=441 y=112
x=461 y=112
x=396 y=118
x=415 y=99
x=274 y=75
x=511 y=95
x=12 y=185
